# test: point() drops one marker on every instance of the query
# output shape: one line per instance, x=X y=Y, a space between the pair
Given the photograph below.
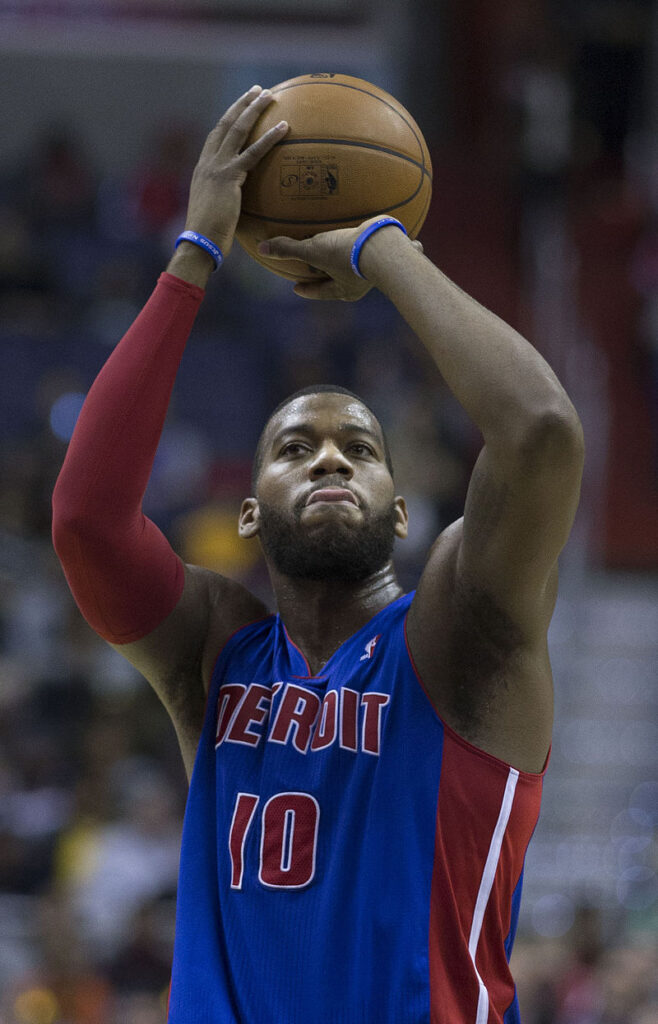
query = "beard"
x=333 y=551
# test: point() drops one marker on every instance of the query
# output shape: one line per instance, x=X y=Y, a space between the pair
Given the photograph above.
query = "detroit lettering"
x=302 y=720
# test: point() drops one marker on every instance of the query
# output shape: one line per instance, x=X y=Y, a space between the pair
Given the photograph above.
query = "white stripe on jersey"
x=486 y=884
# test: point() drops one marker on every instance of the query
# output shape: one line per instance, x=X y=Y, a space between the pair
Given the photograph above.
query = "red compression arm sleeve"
x=121 y=569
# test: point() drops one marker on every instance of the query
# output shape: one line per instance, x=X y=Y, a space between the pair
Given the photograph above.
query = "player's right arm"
x=168 y=619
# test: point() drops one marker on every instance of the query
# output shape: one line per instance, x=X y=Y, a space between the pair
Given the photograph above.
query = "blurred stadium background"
x=542 y=120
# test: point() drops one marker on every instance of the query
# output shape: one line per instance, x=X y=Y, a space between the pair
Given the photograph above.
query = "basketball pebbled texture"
x=351 y=152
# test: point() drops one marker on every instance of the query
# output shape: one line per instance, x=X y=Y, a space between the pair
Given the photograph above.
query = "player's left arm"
x=494 y=573
x=492 y=577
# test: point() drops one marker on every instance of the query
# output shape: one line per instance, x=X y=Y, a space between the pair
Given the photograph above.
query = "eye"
x=361 y=448
x=294 y=448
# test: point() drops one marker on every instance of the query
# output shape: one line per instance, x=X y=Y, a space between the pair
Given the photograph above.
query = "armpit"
x=484 y=647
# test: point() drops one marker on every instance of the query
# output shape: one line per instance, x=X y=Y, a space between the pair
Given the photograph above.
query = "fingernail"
x=266 y=92
x=281 y=125
x=254 y=89
x=264 y=248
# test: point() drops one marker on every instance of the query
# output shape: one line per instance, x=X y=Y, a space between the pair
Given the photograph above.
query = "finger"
x=282 y=248
x=318 y=290
x=238 y=131
x=217 y=135
x=250 y=157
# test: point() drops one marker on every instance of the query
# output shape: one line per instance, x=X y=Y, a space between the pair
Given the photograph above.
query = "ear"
x=249 y=518
x=401 y=518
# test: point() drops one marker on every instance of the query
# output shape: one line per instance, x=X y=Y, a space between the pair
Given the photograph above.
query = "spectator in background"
x=57 y=188
x=56 y=192
x=111 y=868
x=27 y=289
x=644 y=277
x=159 y=189
x=143 y=963
x=596 y=975
x=578 y=992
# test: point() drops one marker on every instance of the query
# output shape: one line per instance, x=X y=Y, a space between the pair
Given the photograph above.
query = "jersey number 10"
x=288 y=839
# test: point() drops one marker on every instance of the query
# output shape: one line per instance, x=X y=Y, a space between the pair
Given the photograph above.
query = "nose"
x=330 y=459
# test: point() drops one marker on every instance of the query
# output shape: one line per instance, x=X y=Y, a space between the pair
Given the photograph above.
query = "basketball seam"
x=336 y=220
x=356 y=88
x=360 y=145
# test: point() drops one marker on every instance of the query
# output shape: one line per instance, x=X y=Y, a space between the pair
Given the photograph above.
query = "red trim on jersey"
x=471 y=791
x=470 y=799
x=302 y=656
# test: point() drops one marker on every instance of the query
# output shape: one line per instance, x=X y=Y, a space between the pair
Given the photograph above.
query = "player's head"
x=324 y=439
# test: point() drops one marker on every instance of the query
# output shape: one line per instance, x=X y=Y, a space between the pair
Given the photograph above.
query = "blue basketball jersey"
x=346 y=858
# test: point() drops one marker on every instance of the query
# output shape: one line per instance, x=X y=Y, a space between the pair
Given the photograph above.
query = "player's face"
x=326 y=507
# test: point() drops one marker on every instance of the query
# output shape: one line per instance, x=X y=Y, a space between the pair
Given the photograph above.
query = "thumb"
x=282 y=248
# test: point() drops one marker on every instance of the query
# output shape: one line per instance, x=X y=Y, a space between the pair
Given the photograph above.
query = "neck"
x=320 y=615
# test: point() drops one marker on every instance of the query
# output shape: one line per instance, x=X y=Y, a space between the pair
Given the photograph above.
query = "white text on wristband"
x=204 y=243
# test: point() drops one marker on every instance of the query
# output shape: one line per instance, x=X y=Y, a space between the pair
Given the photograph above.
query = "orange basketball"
x=351 y=152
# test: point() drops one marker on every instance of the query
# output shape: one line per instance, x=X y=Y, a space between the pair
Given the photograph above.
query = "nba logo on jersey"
x=370 y=648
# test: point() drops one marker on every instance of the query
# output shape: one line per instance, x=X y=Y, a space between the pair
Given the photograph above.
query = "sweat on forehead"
x=317 y=390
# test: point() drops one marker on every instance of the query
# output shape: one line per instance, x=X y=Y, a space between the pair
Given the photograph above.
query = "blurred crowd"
x=92 y=788
x=584 y=980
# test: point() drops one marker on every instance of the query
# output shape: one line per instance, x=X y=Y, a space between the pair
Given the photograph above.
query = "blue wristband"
x=203 y=243
x=358 y=245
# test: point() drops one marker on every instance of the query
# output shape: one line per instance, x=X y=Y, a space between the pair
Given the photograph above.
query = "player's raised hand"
x=330 y=252
x=216 y=190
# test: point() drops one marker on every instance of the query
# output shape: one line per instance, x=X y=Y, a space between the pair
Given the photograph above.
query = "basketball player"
x=366 y=765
